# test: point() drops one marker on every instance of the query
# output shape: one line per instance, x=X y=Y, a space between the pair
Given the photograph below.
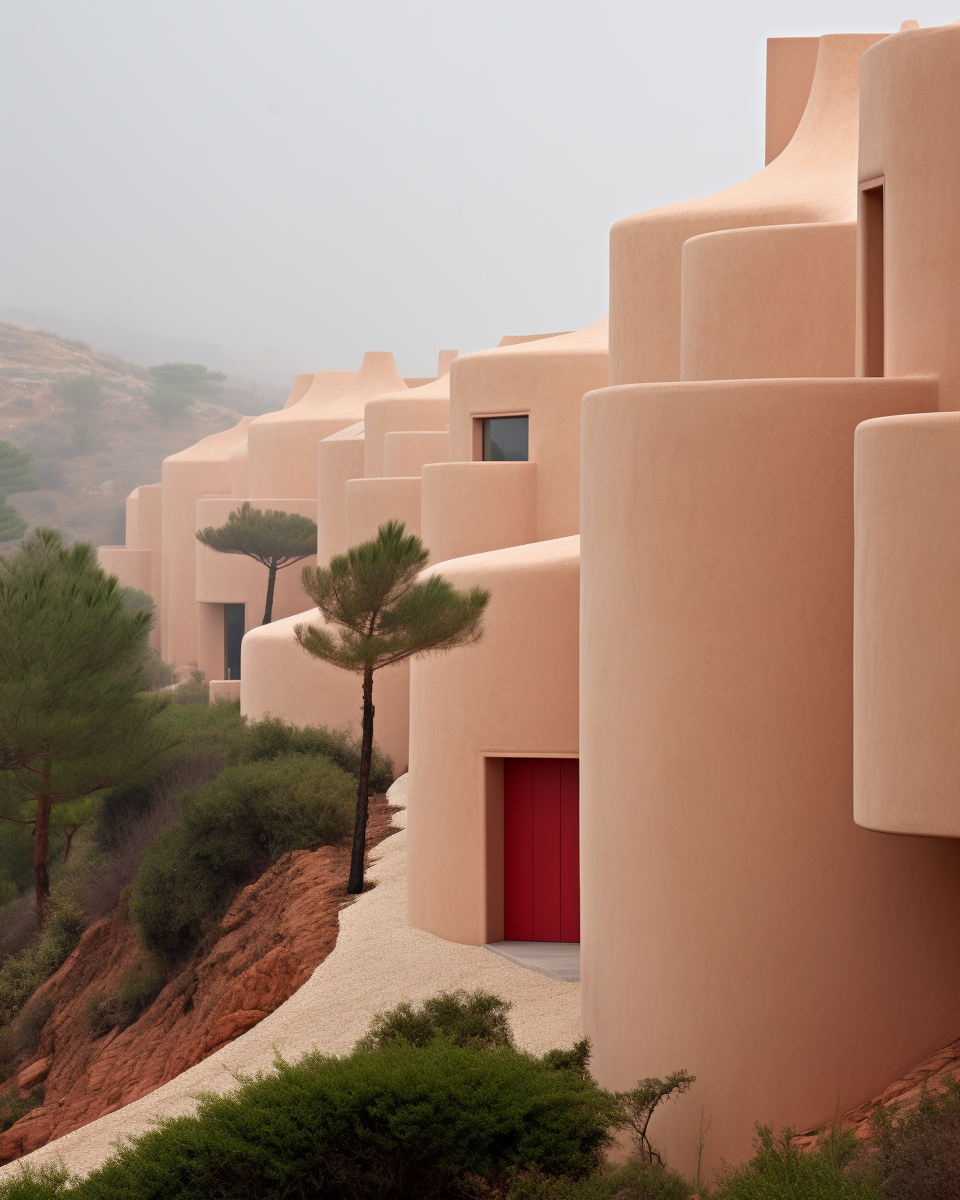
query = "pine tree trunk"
x=355 y=884
x=41 y=852
x=271 y=580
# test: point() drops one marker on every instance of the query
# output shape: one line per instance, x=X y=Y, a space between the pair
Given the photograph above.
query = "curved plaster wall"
x=546 y=379
x=812 y=179
x=339 y=458
x=906 y=742
x=724 y=881
x=200 y=470
x=282 y=460
x=131 y=566
x=407 y=453
x=472 y=507
x=421 y=409
x=910 y=130
x=281 y=679
x=370 y=503
x=771 y=302
x=514 y=692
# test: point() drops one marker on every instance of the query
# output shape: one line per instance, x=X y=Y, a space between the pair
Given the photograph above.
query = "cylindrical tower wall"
x=724 y=881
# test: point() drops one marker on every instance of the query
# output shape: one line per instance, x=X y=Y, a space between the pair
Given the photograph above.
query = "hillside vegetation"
x=84 y=489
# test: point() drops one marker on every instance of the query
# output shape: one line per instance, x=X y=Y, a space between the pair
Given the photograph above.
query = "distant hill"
x=84 y=494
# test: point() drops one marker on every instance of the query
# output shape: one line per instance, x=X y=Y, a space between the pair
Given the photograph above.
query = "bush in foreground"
x=779 y=1169
x=402 y=1123
x=243 y=819
x=475 y=1020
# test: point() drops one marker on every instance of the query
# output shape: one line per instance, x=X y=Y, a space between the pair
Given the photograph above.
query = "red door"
x=541 y=850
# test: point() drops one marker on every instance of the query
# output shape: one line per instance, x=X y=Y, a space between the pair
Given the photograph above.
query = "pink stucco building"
x=712 y=731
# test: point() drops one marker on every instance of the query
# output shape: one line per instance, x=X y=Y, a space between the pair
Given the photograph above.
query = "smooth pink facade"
x=756 y=660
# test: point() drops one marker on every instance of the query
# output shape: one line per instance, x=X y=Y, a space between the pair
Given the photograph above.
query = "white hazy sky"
x=319 y=178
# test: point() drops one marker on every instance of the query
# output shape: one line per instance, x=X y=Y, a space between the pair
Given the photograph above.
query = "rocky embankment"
x=277 y=930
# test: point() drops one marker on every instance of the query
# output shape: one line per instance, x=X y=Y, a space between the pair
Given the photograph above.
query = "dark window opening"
x=871 y=282
x=234 y=620
x=505 y=439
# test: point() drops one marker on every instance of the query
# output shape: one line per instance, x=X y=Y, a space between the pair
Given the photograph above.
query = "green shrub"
x=632 y=1181
x=271 y=738
x=14 y=1105
x=138 y=989
x=207 y=738
x=477 y=1020
x=780 y=1170
x=36 y=1183
x=398 y=1123
x=22 y=973
x=194 y=691
x=237 y=822
x=916 y=1155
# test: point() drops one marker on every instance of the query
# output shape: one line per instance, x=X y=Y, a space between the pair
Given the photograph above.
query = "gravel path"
x=378 y=961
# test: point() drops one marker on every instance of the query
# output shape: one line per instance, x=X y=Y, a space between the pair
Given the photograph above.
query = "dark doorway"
x=541 y=850
x=234 y=619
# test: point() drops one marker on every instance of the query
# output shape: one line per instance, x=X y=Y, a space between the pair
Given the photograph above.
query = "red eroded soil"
x=275 y=933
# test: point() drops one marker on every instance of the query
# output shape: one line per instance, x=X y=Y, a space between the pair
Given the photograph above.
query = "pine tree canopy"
x=82 y=392
x=379 y=612
x=273 y=538
x=12 y=525
x=70 y=674
x=15 y=472
x=168 y=402
x=185 y=375
x=73 y=720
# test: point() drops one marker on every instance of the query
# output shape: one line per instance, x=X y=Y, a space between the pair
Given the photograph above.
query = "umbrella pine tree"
x=378 y=612
x=276 y=539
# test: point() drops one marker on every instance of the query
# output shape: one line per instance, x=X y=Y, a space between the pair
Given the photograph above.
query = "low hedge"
x=405 y=1123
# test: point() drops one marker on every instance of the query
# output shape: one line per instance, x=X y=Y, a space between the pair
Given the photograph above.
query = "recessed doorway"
x=541 y=850
x=234 y=623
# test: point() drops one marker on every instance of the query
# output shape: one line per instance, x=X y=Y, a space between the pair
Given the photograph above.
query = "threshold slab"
x=557 y=960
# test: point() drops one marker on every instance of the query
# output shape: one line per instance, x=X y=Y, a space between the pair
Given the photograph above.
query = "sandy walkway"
x=378 y=961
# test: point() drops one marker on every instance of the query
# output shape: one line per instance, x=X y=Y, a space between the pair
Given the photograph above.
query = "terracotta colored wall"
x=906 y=644
x=426 y=408
x=547 y=379
x=339 y=458
x=769 y=302
x=281 y=679
x=791 y=63
x=813 y=179
x=406 y=453
x=149 y=509
x=198 y=471
x=735 y=921
x=910 y=132
x=131 y=567
x=370 y=503
x=282 y=445
x=472 y=507
x=515 y=692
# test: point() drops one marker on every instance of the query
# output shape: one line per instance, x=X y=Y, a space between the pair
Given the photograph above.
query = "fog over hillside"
x=298 y=182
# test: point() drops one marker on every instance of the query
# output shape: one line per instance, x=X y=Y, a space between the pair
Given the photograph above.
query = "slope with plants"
x=84 y=487
x=203 y=894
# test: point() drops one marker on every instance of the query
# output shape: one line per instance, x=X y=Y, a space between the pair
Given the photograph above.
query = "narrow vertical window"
x=506 y=439
x=234 y=620
x=870 y=290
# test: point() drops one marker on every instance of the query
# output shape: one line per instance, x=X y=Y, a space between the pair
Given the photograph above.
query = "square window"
x=505 y=439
